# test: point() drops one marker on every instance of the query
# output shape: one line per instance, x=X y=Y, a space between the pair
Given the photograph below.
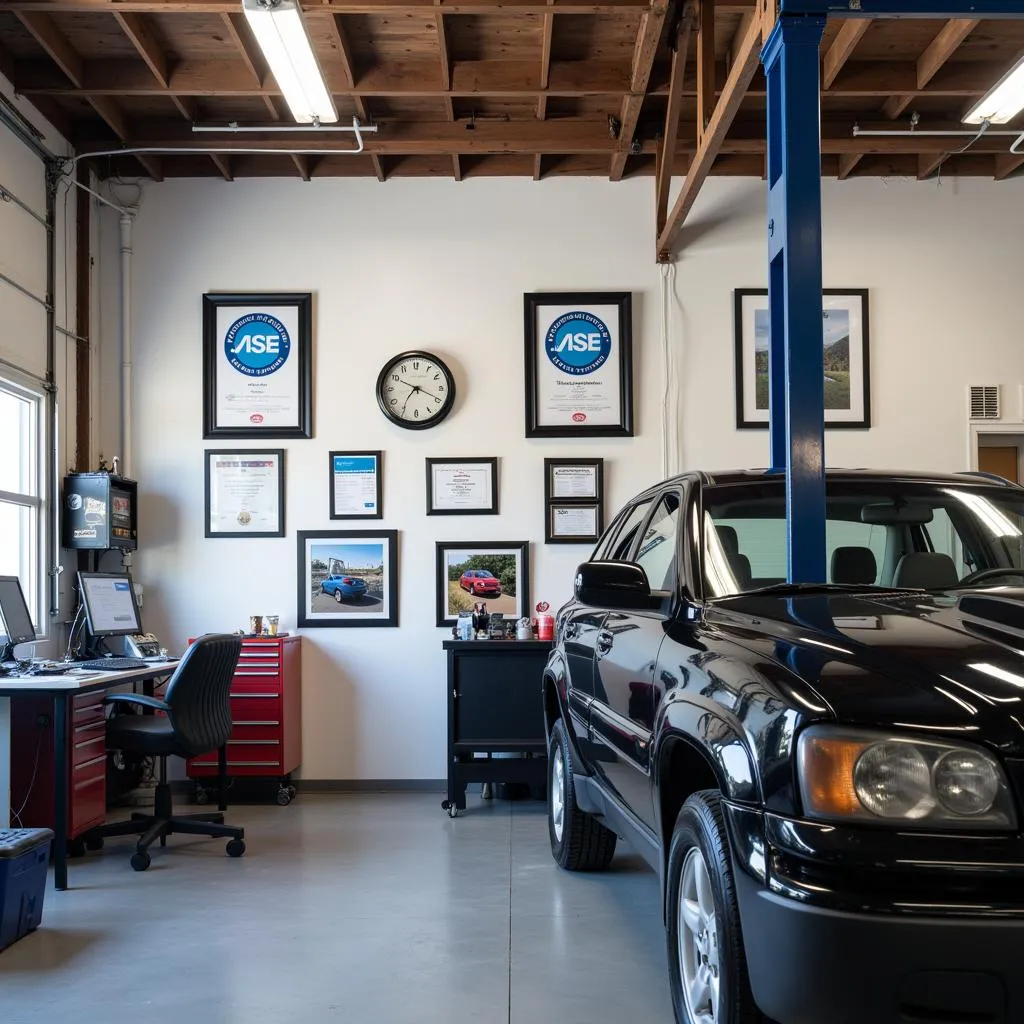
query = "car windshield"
x=896 y=534
x=483 y=574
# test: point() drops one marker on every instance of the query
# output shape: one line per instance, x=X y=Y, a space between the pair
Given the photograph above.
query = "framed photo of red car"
x=347 y=578
x=494 y=573
x=462 y=487
x=257 y=365
x=244 y=491
x=579 y=364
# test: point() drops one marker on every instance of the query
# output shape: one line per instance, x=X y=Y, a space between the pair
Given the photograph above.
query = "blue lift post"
x=796 y=357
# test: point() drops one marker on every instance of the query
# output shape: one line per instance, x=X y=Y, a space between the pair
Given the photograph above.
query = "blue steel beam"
x=796 y=355
x=905 y=8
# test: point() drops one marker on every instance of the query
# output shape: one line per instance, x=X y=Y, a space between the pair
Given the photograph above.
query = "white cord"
x=16 y=815
x=666 y=365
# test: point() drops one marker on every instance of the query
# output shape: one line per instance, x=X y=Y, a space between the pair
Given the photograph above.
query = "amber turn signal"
x=827 y=764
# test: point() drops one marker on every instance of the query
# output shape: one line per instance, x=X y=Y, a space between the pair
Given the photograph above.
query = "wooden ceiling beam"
x=240 y=34
x=841 y=50
x=138 y=29
x=929 y=163
x=941 y=48
x=55 y=43
x=847 y=163
x=379 y=7
x=223 y=164
x=644 y=51
x=713 y=139
x=670 y=132
x=547 y=31
x=1007 y=163
x=706 y=69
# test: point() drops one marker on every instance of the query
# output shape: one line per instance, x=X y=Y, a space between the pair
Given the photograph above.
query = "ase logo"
x=257 y=344
x=578 y=342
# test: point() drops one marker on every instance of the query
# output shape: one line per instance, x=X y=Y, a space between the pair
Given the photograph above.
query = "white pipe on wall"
x=126 y=343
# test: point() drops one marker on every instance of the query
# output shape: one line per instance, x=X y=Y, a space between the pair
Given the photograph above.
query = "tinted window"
x=619 y=548
x=657 y=550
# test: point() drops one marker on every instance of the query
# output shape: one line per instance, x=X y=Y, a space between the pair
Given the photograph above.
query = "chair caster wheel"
x=292 y=791
x=201 y=797
x=235 y=847
x=140 y=860
x=94 y=843
x=284 y=798
x=453 y=811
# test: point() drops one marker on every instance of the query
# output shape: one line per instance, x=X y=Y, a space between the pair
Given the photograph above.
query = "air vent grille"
x=984 y=402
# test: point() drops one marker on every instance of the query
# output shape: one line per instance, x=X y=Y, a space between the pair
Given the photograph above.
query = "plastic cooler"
x=24 y=857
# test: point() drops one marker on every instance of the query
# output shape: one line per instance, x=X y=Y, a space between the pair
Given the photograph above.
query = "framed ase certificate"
x=579 y=364
x=355 y=485
x=573 y=524
x=256 y=365
x=245 y=493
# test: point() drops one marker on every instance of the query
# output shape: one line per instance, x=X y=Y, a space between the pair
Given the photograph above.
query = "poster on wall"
x=846 y=336
x=347 y=578
x=579 y=364
x=245 y=493
x=257 y=365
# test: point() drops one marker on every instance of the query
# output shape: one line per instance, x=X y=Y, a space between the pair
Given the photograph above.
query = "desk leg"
x=5 y=762
x=222 y=778
x=60 y=800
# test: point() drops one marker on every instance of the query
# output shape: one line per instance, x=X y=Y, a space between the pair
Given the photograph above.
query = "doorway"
x=1001 y=454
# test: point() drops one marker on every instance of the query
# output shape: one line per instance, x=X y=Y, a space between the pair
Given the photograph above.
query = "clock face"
x=416 y=390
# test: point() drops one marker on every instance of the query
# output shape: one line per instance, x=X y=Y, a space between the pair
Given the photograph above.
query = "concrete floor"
x=367 y=909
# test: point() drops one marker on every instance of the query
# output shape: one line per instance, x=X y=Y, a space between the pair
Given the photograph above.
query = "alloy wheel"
x=558 y=796
x=697 y=930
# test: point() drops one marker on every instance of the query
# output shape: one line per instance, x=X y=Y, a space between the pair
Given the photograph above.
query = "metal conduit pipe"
x=126 y=343
x=50 y=387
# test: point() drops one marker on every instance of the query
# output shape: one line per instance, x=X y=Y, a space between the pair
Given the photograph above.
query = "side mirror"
x=612 y=585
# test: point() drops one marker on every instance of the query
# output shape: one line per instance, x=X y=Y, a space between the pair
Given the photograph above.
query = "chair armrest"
x=137 y=698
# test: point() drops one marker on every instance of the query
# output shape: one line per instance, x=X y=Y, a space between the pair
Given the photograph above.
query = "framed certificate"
x=579 y=364
x=466 y=487
x=575 y=479
x=355 y=485
x=257 y=365
x=573 y=524
x=244 y=493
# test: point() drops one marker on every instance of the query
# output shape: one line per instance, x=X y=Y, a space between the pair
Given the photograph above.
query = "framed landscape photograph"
x=579 y=364
x=846 y=349
x=462 y=487
x=348 y=578
x=244 y=492
x=469 y=572
x=257 y=364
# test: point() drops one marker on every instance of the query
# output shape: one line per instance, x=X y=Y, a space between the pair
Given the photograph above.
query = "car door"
x=582 y=622
x=627 y=646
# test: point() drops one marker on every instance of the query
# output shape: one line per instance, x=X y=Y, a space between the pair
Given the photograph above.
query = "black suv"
x=828 y=778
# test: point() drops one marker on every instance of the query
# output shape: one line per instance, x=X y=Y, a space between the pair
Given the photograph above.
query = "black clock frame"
x=446 y=406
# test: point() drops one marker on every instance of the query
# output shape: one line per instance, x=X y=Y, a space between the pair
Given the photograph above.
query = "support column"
x=796 y=358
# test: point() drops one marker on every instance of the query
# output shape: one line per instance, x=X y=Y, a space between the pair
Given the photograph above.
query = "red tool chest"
x=266 y=712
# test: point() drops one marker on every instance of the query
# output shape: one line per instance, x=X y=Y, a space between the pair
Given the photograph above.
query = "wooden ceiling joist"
x=547 y=31
x=670 y=134
x=847 y=163
x=942 y=47
x=711 y=143
x=842 y=48
x=138 y=29
x=651 y=24
x=395 y=8
x=706 y=70
x=1006 y=164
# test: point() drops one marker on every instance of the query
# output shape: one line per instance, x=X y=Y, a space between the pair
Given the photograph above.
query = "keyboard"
x=112 y=664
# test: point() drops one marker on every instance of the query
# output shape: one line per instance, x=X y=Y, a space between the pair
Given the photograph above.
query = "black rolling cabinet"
x=495 y=715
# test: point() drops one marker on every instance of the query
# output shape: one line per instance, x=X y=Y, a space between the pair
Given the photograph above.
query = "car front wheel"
x=707 y=967
x=337 y=596
x=579 y=842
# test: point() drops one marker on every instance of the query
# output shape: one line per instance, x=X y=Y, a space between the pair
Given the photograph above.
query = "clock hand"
x=411 y=393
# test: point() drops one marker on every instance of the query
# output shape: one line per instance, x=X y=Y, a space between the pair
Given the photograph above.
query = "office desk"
x=59 y=688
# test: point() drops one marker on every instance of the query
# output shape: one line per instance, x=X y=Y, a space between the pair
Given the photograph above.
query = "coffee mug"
x=256 y=624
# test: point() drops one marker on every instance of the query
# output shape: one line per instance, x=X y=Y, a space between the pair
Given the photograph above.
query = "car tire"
x=579 y=842
x=337 y=596
x=705 y=940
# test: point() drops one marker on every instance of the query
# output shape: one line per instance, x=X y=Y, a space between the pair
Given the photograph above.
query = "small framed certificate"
x=462 y=487
x=245 y=492
x=573 y=524
x=573 y=479
x=355 y=483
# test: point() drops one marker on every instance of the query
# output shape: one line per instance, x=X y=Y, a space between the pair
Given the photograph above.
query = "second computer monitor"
x=109 y=600
x=15 y=621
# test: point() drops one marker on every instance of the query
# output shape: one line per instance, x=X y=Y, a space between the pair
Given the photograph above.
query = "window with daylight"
x=20 y=491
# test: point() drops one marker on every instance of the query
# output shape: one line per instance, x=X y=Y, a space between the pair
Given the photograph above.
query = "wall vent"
x=984 y=401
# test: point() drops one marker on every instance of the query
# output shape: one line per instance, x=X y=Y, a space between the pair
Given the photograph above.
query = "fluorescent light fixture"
x=282 y=36
x=1002 y=103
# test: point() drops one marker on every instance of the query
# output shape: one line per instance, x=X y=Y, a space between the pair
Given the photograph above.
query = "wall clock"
x=416 y=390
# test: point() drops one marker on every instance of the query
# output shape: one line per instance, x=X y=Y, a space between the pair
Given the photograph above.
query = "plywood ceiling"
x=489 y=87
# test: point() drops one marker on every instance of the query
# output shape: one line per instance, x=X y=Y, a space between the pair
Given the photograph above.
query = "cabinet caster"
x=284 y=798
x=140 y=860
x=202 y=796
x=94 y=843
x=235 y=847
x=292 y=791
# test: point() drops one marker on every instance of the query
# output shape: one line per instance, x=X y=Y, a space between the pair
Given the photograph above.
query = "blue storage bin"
x=24 y=857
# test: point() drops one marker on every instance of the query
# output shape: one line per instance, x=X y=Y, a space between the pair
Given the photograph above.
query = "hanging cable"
x=666 y=366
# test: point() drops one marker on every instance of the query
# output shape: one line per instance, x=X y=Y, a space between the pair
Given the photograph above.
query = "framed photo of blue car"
x=257 y=363
x=347 y=578
x=846 y=340
x=579 y=364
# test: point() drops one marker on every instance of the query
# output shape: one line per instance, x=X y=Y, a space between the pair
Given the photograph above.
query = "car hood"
x=949 y=663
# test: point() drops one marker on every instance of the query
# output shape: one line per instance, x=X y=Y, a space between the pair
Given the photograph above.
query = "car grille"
x=1015 y=770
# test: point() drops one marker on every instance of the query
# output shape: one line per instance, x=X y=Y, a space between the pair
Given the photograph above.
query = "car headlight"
x=849 y=774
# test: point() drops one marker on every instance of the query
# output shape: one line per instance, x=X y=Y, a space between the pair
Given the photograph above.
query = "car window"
x=657 y=549
x=620 y=547
x=942 y=536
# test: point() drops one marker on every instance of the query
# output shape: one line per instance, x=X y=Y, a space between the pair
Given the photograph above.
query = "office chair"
x=196 y=720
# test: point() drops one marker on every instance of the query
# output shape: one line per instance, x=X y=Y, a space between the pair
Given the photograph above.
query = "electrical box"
x=100 y=512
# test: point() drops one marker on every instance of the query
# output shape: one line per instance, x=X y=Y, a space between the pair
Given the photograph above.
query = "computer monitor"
x=15 y=621
x=109 y=600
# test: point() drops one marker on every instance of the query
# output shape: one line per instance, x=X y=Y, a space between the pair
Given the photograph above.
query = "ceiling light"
x=282 y=36
x=1004 y=102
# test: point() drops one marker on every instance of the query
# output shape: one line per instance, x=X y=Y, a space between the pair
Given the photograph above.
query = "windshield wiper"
x=820 y=588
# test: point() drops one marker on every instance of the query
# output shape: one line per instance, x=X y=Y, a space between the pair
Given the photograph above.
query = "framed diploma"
x=355 y=484
x=579 y=364
x=573 y=524
x=257 y=365
x=462 y=487
x=244 y=493
x=573 y=479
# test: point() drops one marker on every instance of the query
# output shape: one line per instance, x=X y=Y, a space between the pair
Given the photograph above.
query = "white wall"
x=443 y=266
